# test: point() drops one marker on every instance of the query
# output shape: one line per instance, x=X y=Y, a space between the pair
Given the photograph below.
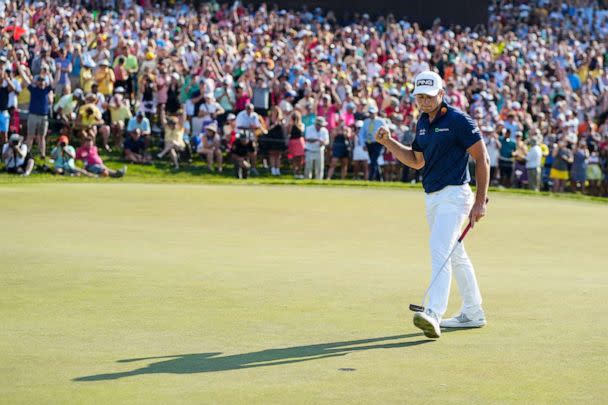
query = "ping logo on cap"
x=425 y=82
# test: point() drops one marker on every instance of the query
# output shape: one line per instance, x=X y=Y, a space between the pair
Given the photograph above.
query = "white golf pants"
x=446 y=211
x=314 y=160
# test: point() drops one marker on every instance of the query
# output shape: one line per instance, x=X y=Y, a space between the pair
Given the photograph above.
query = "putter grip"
x=464 y=233
x=468 y=228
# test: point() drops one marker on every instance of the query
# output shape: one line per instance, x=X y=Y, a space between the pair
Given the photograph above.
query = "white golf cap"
x=428 y=83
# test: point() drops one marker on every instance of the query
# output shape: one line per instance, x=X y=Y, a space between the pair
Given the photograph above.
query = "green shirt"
x=131 y=64
x=62 y=160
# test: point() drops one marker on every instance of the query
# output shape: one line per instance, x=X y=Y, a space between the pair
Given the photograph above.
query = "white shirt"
x=285 y=106
x=244 y=120
x=209 y=86
x=312 y=133
x=493 y=150
x=12 y=96
x=11 y=162
x=208 y=109
x=533 y=158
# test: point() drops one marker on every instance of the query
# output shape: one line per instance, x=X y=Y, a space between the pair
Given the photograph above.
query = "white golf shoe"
x=428 y=322
x=476 y=320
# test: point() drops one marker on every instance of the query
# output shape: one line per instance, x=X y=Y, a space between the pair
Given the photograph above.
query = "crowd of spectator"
x=299 y=93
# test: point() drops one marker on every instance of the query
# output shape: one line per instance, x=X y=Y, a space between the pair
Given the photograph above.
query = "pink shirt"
x=89 y=156
x=348 y=118
x=330 y=115
x=163 y=88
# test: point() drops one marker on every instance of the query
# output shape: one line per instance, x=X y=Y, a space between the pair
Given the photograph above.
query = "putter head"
x=416 y=308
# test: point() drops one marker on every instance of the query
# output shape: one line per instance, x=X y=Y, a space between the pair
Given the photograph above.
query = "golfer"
x=445 y=137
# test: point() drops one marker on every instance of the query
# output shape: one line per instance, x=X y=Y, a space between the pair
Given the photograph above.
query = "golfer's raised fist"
x=383 y=134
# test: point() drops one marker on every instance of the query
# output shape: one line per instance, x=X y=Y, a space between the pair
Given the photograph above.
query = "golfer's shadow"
x=212 y=362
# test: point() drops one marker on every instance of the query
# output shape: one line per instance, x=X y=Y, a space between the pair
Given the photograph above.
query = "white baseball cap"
x=428 y=83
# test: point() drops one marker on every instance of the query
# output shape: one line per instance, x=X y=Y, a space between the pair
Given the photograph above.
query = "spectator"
x=493 y=146
x=135 y=148
x=505 y=160
x=89 y=121
x=211 y=147
x=533 y=164
x=174 y=137
x=141 y=124
x=86 y=76
x=241 y=150
x=562 y=158
x=7 y=86
x=64 y=70
x=63 y=155
x=578 y=174
x=105 y=78
x=229 y=131
x=594 y=172
x=65 y=109
x=224 y=94
x=249 y=123
x=296 y=145
x=360 y=156
x=519 y=166
x=340 y=151
x=316 y=138
x=387 y=161
x=92 y=161
x=276 y=140
x=210 y=109
x=16 y=157
x=120 y=113
x=37 y=122
x=366 y=138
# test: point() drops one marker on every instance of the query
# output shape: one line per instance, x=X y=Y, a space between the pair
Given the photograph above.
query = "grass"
x=177 y=293
x=197 y=173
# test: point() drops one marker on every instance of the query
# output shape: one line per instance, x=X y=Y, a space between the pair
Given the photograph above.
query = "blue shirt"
x=144 y=125
x=444 y=143
x=368 y=130
x=39 y=101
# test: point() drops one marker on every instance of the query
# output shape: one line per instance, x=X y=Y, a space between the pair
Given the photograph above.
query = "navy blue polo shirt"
x=444 y=143
x=39 y=99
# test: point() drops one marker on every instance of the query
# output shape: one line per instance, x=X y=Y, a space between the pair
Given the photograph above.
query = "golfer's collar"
x=443 y=110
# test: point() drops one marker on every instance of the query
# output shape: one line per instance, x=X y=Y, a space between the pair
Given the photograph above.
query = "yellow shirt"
x=86 y=79
x=545 y=150
x=176 y=134
x=120 y=114
x=23 y=99
x=105 y=79
x=92 y=119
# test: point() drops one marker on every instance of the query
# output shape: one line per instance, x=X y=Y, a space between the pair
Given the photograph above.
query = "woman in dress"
x=275 y=140
x=340 y=151
x=295 y=129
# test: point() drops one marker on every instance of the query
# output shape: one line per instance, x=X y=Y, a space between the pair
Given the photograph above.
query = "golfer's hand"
x=383 y=135
x=477 y=212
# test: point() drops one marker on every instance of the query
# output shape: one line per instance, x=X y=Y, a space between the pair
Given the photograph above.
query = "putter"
x=420 y=308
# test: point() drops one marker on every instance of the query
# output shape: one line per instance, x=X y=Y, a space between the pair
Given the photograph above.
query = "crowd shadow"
x=215 y=361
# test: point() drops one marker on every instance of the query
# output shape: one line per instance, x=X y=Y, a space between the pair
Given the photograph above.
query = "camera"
x=15 y=142
x=62 y=144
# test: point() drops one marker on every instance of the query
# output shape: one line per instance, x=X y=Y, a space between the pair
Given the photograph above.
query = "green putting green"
x=135 y=293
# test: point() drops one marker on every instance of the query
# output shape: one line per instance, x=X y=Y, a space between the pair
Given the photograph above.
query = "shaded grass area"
x=196 y=172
